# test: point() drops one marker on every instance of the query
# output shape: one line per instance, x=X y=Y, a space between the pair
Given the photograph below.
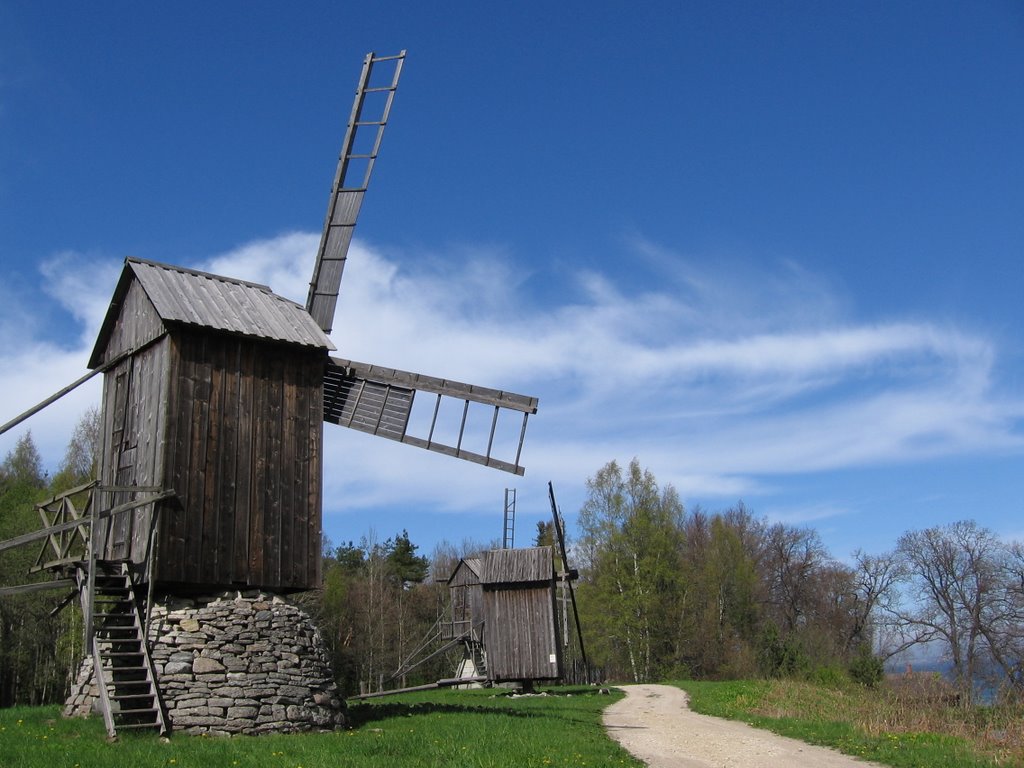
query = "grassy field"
x=478 y=729
x=878 y=725
x=488 y=728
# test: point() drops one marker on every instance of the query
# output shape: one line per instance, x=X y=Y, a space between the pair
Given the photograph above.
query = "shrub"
x=866 y=668
x=829 y=677
x=779 y=656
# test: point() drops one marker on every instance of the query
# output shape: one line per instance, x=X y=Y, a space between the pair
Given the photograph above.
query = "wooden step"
x=137 y=711
x=128 y=691
x=138 y=726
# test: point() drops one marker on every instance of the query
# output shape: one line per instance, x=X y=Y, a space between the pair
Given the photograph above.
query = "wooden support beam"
x=27 y=538
x=448 y=683
x=23 y=589
x=75 y=384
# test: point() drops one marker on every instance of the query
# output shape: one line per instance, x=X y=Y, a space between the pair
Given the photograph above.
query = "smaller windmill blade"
x=379 y=401
x=568 y=577
x=349 y=187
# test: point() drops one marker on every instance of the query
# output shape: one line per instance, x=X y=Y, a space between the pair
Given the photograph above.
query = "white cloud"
x=713 y=398
x=803 y=515
x=83 y=285
x=285 y=263
x=29 y=375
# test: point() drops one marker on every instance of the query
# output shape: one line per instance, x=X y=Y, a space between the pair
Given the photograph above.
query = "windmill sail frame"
x=347 y=194
x=379 y=401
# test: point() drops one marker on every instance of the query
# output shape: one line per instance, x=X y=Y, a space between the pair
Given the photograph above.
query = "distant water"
x=984 y=691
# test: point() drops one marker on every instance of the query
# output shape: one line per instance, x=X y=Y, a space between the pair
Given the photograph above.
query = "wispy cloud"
x=805 y=515
x=82 y=285
x=716 y=399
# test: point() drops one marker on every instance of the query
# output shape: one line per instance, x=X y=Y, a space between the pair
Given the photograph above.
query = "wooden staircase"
x=476 y=651
x=123 y=668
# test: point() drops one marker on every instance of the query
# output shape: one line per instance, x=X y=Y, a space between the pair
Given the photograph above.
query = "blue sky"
x=771 y=250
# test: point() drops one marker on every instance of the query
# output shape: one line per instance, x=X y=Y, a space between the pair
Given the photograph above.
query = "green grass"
x=867 y=724
x=478 y=729
x=488 y=729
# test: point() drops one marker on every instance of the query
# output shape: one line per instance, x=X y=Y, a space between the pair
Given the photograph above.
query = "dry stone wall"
x=234 y=663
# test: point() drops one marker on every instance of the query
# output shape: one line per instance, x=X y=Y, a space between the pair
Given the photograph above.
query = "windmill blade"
x=568 y=577
x=379 y=401
x=77 y=383
x=349 y=187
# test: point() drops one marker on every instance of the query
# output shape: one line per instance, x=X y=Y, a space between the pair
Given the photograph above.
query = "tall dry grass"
x=895 y=707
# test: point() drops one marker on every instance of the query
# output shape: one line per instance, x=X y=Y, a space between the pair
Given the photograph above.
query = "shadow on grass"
x=499 y=703
x=364 y=714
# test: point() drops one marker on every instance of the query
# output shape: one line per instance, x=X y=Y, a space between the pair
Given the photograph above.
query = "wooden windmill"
x=504 y=612
x=223 y=387
x=214 y=398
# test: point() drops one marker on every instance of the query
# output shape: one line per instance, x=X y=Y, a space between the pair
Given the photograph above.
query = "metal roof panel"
x=222 y=303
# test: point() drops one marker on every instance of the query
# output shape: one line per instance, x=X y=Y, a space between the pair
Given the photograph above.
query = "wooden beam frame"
x=39 y=586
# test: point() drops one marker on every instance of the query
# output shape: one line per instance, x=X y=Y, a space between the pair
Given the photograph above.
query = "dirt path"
x=655 y=724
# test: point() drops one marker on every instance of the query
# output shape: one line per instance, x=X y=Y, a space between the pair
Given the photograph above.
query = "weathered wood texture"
x=135 y=322
x=521 y=631
x=245 y=425
x=467 y=597
x=147 y=291
x=233 y=422
x=510 y=567
x=132 y=441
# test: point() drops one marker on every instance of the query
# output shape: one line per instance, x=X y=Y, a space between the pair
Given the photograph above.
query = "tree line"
x=39 y=651
x=379 y=603
x=664 y=592
x=667 y=593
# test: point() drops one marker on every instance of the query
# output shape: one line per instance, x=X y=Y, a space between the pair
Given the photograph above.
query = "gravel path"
x=655 y=724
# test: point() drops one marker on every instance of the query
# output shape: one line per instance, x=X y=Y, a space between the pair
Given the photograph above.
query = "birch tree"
x=630 y=545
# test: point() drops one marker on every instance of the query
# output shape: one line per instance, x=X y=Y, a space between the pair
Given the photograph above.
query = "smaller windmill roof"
x=211 y=301
x=517 y=566
x=470 y=564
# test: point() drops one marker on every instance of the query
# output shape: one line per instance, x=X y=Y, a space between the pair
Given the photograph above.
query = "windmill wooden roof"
x=466 y=572
x=204 y=300
x=517 y=566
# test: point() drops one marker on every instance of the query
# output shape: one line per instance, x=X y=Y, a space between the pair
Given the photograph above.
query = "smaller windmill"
x=509 y=612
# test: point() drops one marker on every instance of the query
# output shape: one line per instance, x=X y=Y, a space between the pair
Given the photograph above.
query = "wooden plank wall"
x=466 y=600
x=132 y=444
x=521 y=634
x=137 y=322
x=467 y=603
x=243 y=453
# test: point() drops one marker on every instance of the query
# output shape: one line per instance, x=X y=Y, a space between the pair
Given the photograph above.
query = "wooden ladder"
x=477 y=653
x=123 y=668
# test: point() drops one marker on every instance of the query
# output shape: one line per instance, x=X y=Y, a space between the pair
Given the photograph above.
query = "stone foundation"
x=235 y=663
